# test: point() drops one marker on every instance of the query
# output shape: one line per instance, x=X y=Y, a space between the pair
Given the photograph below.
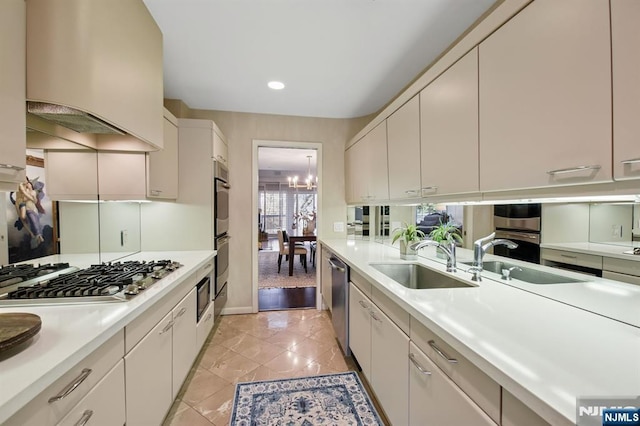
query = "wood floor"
x=272 y=299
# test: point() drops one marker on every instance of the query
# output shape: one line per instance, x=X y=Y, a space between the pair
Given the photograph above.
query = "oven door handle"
x=223 y=240
x=519 y=236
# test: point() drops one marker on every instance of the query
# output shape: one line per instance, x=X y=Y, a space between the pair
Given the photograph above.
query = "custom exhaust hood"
x=95 y=67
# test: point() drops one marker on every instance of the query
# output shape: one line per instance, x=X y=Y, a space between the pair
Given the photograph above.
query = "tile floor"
x=244 y=348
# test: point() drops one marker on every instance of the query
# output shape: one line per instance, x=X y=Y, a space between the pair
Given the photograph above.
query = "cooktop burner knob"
x=132 y=290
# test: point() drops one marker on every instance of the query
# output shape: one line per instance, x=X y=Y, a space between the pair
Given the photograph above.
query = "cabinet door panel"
x=403 y=148
x=449 y=130
x=162 y=165
x=436 y=400
x=360 y=329
x=12 y=91
x=184 y=339
x=625 y=33
x=377 y=176
x=148 y=376
x=545 y=97
x=390 y=367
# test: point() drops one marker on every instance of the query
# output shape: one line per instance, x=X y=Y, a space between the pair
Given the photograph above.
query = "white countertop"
x=598 y=249
x=544 y=352
x=71 y=332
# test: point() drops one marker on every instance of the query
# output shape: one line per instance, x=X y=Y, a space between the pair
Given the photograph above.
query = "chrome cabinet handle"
x=11 y=167
x=429 y=189
x=71 y=386
x=364 y=305
x=207 y=266
x=374 y=316
x=411 y=191
x=181 y=312
x=573 y=170
x=85 y=418
x=420 y=368
x=631 y=161
x=441 y=353
x=167 y=327
x=156 y=191
x=208 y=317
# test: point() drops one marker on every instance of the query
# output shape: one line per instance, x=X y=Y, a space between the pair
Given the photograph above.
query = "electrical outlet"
x=338 y=226
x=616 y=231
x=123 y=237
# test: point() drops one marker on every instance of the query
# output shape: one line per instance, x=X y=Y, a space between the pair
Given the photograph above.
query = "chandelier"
x=309 y=183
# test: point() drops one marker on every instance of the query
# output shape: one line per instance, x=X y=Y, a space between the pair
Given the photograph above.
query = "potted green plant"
x=445 y=233
x=407 y=234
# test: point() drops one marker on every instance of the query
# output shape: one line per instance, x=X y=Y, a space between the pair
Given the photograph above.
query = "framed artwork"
x=31 y=215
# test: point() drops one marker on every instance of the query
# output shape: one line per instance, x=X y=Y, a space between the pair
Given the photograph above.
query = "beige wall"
x=241 y=129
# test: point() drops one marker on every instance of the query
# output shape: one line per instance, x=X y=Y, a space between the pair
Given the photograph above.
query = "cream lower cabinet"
x=625 y=42
x=204 y=327
x=104 y=405
x=157 y=366
x=545 y=97
x=436 y=400
x=389 y=366
x=381 y=350
x=184 y=340
x=148 y=376
x=515 y=413
x=360 y=328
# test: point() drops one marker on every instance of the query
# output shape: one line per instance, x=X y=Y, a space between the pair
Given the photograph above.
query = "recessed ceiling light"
x=276 y=85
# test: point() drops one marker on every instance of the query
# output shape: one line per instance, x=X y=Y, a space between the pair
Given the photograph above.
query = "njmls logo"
x=594 y=411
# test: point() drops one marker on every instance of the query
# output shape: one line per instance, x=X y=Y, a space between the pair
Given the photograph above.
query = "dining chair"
x=284 y=251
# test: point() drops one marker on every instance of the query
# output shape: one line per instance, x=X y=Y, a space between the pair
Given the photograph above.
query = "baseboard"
x=237 y=310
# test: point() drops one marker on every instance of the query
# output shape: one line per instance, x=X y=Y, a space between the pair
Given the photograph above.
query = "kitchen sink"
x=416 y=276
x=529 y=275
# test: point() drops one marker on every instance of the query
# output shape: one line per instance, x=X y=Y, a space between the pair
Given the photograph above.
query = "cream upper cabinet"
x=220 y=148
x=449 y=130
x=366 y=167
x=403 y=147
x=625 y=33
x=162 y=165
x=545 y=97
x=122 y=175
x=12 y=93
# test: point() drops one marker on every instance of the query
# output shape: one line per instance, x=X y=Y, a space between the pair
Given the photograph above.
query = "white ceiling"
x=338 y=58
x=287 y=159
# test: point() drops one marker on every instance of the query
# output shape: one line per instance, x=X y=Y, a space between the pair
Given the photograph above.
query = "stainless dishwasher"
x=340 y=302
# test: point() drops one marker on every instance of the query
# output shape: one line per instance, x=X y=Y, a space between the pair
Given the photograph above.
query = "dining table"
x=293 y=239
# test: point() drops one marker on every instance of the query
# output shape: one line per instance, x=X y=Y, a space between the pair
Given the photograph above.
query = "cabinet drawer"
x=397 y=314
x=629 y=267
x=204 y=326
x=572 y=258
x=435 y=400
x=104 y=404
x=87 y=373
x=360 y=282
x=480 y=387
x=616 y=276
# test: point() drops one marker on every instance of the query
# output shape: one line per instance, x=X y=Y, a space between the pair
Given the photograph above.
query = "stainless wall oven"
x=222 y=273
x=520 y=223
x=221 y=199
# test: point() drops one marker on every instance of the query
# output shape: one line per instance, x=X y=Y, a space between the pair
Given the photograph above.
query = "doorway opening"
x=287 y=204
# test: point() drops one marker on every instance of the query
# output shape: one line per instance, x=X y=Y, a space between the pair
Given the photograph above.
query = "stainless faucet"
x=449 y=250
x=480 y=247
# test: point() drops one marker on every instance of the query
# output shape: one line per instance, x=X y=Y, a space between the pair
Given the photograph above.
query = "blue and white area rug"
x=330 y=399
